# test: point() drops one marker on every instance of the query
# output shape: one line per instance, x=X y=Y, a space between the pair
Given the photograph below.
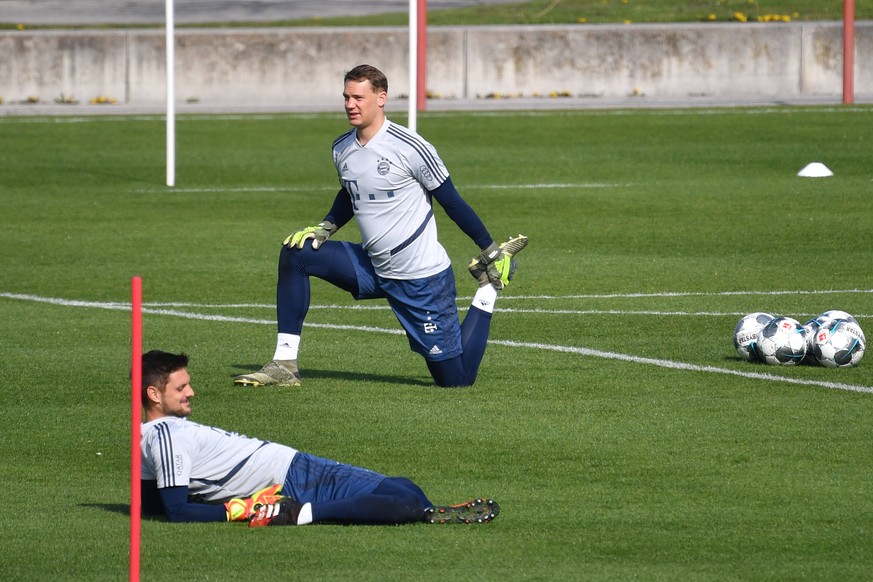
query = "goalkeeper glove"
x=284 y=512
x=319 y=233
x=497 y=265
x=239 y=509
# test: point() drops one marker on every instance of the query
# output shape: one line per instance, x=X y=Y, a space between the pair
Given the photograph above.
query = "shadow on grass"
x=346 y=376
x=121 y=509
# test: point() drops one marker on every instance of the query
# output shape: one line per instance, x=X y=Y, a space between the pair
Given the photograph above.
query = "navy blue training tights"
x=395 y=500
x=332 y=264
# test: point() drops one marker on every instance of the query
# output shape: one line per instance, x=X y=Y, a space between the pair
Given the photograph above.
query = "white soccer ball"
x=839 y=343
x=746 y=334
x=811 y=328
x=782 y=342
x=837 y=314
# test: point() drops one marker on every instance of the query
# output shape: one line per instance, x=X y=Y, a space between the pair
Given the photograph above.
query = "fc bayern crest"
x=383 y=168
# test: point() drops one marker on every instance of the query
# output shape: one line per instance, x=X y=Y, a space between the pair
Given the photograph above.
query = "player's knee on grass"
x=450 y=373
x=408 y=501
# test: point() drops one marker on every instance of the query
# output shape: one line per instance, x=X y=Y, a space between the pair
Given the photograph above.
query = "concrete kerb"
x=399 y=107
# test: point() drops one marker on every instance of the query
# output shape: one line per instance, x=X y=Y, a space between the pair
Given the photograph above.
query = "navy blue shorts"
x=426 y=308
x=312 y=479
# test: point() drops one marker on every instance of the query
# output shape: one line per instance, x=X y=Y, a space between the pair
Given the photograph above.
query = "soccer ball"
x=782 y=342
x=812 y=326
x=746 y=335
x=839 y=343
x=837 y=314
x=811 y=329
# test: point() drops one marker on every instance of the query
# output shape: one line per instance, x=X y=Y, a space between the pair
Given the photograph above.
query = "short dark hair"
x=368 y=73
x=157 y=367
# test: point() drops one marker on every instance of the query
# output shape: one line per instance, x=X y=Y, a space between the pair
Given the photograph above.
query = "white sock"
x=485 y=298
x=286 y=346
x=305 y=515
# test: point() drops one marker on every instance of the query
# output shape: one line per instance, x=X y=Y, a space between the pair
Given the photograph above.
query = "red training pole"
x=135 y=426
x=421 y=93
x=848 y=52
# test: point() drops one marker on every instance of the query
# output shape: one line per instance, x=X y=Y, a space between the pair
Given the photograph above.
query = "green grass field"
x=612 y=419
x=585 y=12
x=616 y=11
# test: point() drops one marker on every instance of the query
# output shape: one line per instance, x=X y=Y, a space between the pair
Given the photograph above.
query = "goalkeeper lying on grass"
x=194 y=472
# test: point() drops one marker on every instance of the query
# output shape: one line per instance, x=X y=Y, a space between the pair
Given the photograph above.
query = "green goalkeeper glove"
x=318 y=233
x=498 y=265
x=239 y=509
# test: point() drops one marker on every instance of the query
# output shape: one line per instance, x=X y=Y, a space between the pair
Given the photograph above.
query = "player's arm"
x=497 y=263
x=150 y=498
x=462 y=213
x=342 y=210
x=340 y=213
x=178 y=509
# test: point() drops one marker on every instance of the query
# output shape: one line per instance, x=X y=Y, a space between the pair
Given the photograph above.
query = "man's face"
x=363 y=105
x=175 y=400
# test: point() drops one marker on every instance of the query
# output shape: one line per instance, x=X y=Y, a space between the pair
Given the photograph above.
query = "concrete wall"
x=305 y=66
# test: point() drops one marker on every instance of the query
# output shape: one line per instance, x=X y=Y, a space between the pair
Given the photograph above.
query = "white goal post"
x=417 y=65
x=417 y=55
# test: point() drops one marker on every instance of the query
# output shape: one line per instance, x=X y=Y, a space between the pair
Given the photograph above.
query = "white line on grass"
x=541 y=186
x=683 y=366
x=322 y=188
x=532 y=311
x=695 y=294
x=117 y=306
x=562 y=297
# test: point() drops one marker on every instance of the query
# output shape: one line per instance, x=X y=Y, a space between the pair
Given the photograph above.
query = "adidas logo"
x=435 y=351
x=345 y=168
x=484 y=303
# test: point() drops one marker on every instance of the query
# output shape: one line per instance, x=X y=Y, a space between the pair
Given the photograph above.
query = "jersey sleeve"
x=462 y=213
x=425 y=164
x=428 y=168
x=166 y=457
x=178 y=509
x=173 y=503
x=149 y=497
x=342 y=211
